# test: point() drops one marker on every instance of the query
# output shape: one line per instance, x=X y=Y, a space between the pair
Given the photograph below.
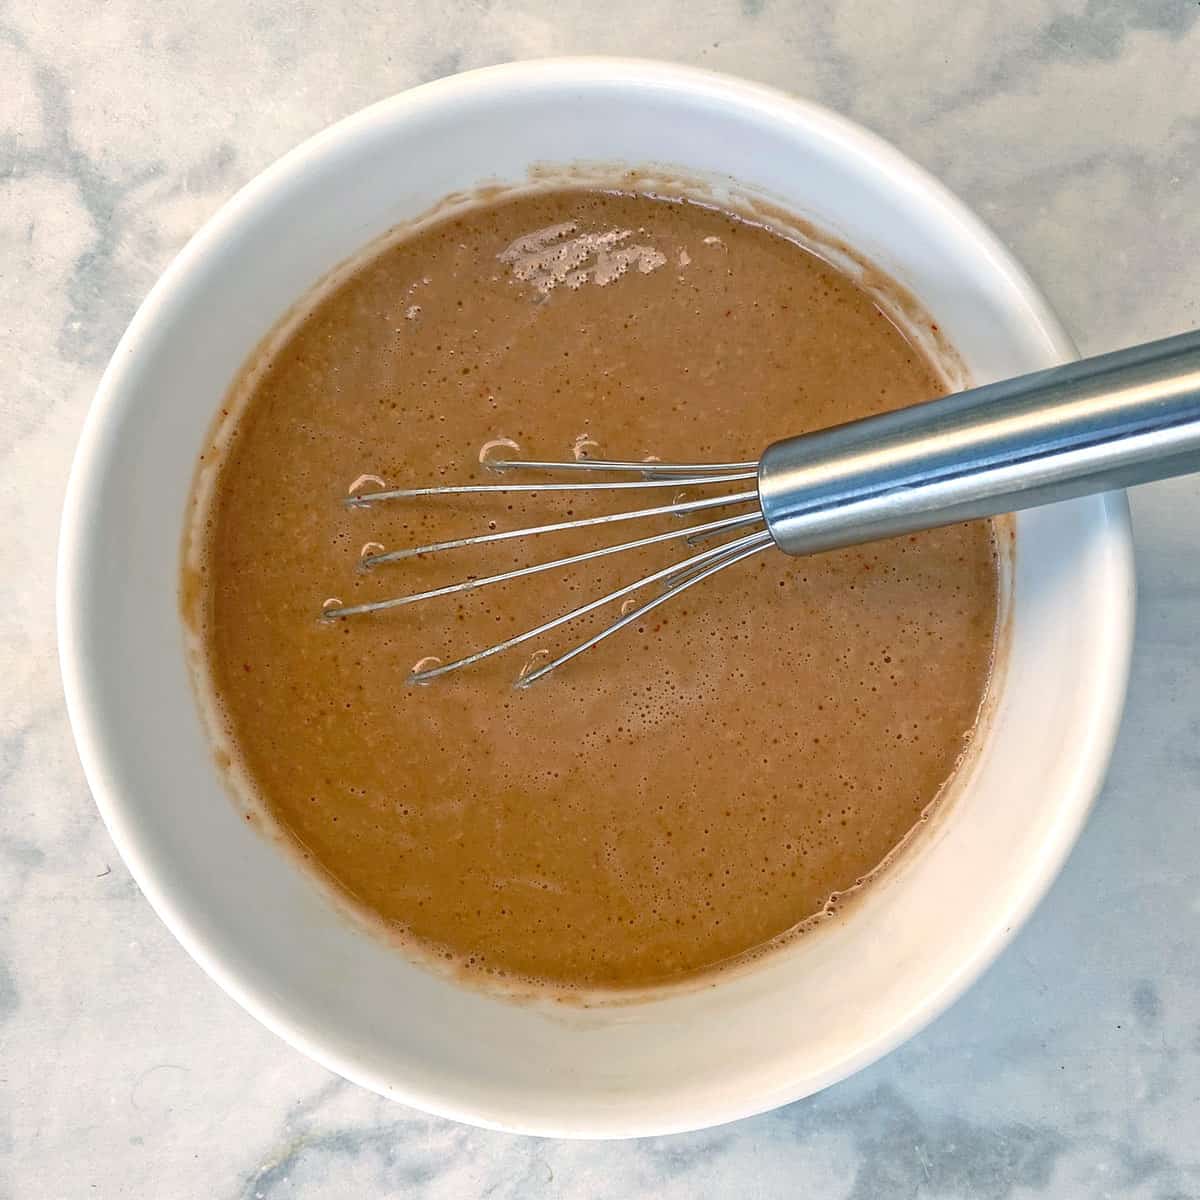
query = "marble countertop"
x=1071 y=1069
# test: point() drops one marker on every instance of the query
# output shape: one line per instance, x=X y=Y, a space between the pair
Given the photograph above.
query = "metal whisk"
x=1089 y=426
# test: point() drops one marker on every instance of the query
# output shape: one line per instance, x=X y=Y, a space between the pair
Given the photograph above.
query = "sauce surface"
x=698 y=785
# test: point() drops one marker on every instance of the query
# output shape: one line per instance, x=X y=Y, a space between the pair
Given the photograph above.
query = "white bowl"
x=268 y=934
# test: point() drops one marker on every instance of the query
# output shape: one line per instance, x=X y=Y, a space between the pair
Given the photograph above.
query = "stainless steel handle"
x=1087 y=426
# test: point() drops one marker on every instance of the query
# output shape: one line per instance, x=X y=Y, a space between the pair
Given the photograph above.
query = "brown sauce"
x=691 y=789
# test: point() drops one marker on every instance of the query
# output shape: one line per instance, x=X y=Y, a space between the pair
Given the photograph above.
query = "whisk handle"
x=1087 y=426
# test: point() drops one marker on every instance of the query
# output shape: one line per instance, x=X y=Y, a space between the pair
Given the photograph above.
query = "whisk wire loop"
x=674 y=578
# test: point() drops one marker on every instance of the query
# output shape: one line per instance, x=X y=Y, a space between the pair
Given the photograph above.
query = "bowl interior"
x=260 y=925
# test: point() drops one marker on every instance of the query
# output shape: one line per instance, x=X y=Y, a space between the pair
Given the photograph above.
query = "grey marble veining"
x=1071 y=1069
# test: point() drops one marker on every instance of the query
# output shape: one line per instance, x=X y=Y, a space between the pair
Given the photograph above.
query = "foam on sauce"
x=701 y=784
